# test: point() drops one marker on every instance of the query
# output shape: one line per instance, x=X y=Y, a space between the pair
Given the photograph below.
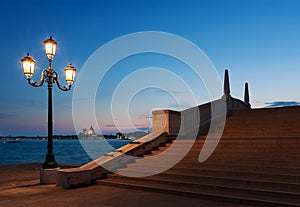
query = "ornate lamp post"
x=50 y=76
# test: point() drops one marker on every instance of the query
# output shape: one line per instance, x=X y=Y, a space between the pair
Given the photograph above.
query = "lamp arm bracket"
x=61 y=87
x=40 y=83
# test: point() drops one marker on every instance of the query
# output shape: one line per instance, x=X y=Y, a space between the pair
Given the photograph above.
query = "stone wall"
x=199 y=117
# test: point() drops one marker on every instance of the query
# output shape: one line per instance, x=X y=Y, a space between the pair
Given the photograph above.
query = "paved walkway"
x=19 y=186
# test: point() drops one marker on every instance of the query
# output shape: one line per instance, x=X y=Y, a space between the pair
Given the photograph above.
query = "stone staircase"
x=252 y=172
x=256 y=162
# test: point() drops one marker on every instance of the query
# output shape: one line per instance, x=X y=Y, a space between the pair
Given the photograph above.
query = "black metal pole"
x=50 y=159
x=50 y=76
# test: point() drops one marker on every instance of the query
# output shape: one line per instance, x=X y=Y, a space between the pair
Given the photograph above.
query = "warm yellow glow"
x=28 y=64
x=50 y=47
x=70 y=72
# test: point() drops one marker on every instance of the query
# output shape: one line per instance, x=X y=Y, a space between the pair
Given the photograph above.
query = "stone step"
x=282 y=187
x=246 y=141
x=240 y=161
x=291 y=150
x=275 y=156
x=224 y=152
x=289 y=178
x=216 y=192
x=176 y=147
x=240 y=141
x=228 y=148
x=272 y=156
x=233 y=160
x=233 y=182
x=230 y=178
x=220 y=166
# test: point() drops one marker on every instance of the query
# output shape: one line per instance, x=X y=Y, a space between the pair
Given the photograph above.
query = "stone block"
x=48 y=176
x=166 y=121
x=73 y=177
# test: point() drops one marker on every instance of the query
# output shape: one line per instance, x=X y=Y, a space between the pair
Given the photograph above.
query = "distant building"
x=89 y=134
x=119 y=135
x=135 y=135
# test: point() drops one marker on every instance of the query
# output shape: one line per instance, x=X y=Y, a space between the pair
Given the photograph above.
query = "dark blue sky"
x=258 y=40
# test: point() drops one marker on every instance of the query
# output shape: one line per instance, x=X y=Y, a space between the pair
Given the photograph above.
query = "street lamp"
x=50 y=76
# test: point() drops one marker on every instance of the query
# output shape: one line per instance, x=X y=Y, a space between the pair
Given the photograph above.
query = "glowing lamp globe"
x=28 y=64
x=50 y=47
x=70 y=72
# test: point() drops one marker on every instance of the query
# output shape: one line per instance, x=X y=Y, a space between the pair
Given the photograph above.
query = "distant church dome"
x=88 y=132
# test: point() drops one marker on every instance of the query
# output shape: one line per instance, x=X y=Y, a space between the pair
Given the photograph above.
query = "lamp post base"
x=49 y=162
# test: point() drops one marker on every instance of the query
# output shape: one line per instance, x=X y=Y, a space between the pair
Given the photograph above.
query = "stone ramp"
x=260 y=172
x=87 y=174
